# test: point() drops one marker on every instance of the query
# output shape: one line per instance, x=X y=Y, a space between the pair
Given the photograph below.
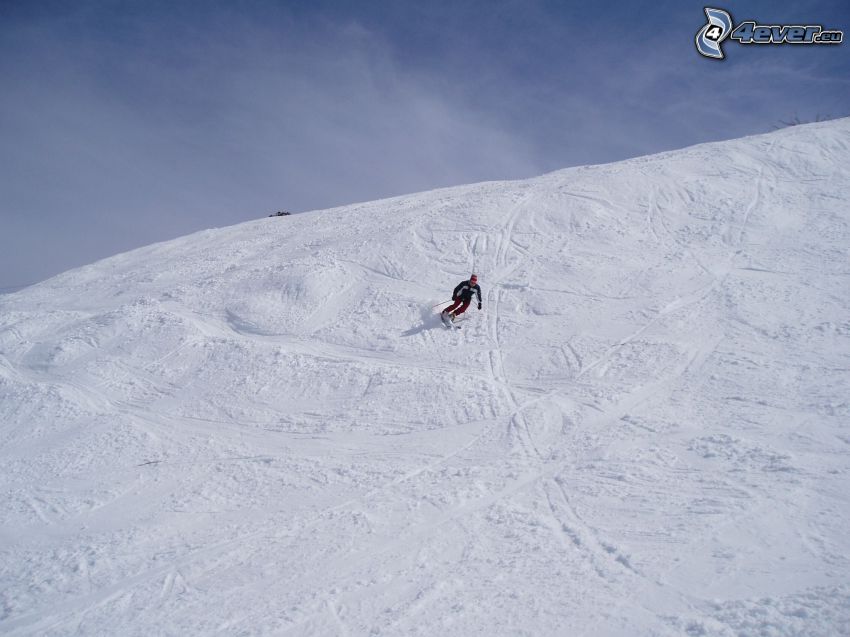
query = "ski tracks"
x=502 y=268
x=757 y=199
x=602 y=558
x=613 y=568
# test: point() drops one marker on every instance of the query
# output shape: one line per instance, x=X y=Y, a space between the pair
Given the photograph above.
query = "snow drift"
x=264 y=429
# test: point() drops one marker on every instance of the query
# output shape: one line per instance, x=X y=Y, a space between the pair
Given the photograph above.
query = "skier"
x=462 y=296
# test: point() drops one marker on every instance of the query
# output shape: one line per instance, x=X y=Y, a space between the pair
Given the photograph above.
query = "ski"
x=448 y=323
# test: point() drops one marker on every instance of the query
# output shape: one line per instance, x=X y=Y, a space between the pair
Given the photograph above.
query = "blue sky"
x=125 y=123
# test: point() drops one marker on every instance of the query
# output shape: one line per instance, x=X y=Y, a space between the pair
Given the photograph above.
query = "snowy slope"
x=264 y=429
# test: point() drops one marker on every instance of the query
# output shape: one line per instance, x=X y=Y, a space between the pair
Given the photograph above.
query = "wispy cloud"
x=124 y=124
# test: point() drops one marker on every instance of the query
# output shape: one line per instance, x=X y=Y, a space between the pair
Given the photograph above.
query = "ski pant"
x=458 y=307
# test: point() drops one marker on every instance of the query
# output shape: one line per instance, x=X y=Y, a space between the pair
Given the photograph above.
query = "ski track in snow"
x=265 y=429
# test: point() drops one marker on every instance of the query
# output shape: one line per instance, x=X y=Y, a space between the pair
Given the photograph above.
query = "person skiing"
x=462 y=296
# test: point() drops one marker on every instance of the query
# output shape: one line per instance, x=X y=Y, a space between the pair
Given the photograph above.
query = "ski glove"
x=479 y=305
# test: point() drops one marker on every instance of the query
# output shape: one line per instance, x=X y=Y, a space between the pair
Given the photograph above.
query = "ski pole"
x=438 y=304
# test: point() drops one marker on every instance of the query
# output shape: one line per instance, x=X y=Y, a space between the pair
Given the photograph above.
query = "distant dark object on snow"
x=281 y=213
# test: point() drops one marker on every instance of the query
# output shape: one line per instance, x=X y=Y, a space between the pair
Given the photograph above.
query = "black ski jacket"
x=465 y=290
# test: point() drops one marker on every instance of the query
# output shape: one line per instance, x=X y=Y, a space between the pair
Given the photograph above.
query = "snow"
x=265 y=429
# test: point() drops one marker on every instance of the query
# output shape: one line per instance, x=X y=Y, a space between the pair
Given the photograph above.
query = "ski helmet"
x=473 y=278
